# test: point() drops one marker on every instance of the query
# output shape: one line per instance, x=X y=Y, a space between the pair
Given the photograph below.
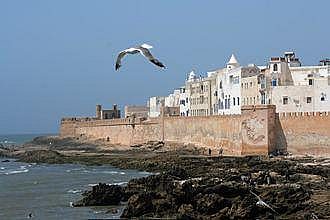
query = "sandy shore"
x=191 y=185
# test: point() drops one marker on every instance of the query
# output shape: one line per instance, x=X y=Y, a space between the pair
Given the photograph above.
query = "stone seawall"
x=258 y=130
x=304 y=133
x=248 y=133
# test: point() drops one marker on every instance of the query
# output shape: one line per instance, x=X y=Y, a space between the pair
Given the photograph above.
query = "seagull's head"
x=147 y=46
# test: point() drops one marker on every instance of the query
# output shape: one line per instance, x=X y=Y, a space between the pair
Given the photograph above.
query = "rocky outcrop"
x=102 y=195
x=222 y=188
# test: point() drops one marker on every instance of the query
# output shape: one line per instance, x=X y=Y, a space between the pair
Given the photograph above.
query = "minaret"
x=232 y=63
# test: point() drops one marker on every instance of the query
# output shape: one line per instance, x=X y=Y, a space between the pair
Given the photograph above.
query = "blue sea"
x=17 y=139
x=46 y=190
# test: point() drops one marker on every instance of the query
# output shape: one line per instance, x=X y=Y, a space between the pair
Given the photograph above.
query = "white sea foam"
x=17 y=171
x=120 y=183
x=122 y=173
x=110 y=172
x=100 y=211
x=2 y=168
x=74 y=191
x=92 y=184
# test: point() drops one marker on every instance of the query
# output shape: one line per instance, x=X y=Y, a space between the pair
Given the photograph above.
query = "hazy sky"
x=57 y=57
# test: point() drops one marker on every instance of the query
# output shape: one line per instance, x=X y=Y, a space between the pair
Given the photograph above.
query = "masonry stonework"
x=243 y=134
x=304 y=133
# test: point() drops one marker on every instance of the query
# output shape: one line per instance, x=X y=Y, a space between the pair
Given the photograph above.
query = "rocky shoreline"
x=189 y=185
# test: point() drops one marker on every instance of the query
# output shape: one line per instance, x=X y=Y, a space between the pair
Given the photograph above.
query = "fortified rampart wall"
x=304 y=132
x=258 y=130
x=248 y=133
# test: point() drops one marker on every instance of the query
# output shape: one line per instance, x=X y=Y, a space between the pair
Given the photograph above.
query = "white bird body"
x=261 y=203
x=142 y=49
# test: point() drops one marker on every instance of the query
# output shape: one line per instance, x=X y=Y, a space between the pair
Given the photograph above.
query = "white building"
x=303 y=98
x=155 y=104
x=173 y=100
x=297 y=88
x=229 y=89
x=184 y=102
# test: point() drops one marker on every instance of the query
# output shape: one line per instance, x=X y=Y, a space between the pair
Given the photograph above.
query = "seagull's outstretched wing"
x=122 y=54
x=261 y=202
x=145 y=52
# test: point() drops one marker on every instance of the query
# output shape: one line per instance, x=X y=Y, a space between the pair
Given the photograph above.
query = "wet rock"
x=101 y=195
x=186 y=211
x=42 y=156
x=139 y=204
x=211 y=203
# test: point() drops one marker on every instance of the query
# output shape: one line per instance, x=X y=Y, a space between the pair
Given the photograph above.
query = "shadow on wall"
x=280 y=139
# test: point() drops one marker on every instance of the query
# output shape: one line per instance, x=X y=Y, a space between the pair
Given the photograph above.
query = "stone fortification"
x=258 y=130
x=248 y=133
x=304 y=132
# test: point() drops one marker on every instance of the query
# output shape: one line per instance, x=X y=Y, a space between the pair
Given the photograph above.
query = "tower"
x=98 y=111
x=232 y=63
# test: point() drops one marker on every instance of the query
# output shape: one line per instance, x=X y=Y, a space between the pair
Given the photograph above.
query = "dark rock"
x=102 y=194
x=186 y=211
x=211 y=203
x=139 y=205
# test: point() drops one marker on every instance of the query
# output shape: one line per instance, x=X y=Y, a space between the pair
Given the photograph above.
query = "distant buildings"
x=283 y=82
x=136 y=111
x=107 y=113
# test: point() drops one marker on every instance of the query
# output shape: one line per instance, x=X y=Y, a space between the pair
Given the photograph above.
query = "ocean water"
x=46 y=190
x=17 y=139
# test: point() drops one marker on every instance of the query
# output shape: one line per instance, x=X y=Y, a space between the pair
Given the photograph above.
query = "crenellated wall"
x=247 y=133
x=304 y=132
x=258 y=130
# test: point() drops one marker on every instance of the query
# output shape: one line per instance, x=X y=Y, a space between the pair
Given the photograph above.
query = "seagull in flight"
x=143 y=49
x=262 y=203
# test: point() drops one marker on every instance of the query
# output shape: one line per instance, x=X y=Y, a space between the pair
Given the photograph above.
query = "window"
x=254 y=100
x=242 y=85
x=216 y=93
x=310 y=82
x=274 y=82
x=309 y=99
x=221 y=104
x=322 y=98
x=220 y=85
x=231 y=78
x=285 y=100
x=263 y=98
x=275 y=67
x=250 y=84
x=234 y=101
x=237 y=100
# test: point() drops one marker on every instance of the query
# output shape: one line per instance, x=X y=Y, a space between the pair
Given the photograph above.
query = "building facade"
x=155 y=103
x=229 y=89
x=136 y=111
